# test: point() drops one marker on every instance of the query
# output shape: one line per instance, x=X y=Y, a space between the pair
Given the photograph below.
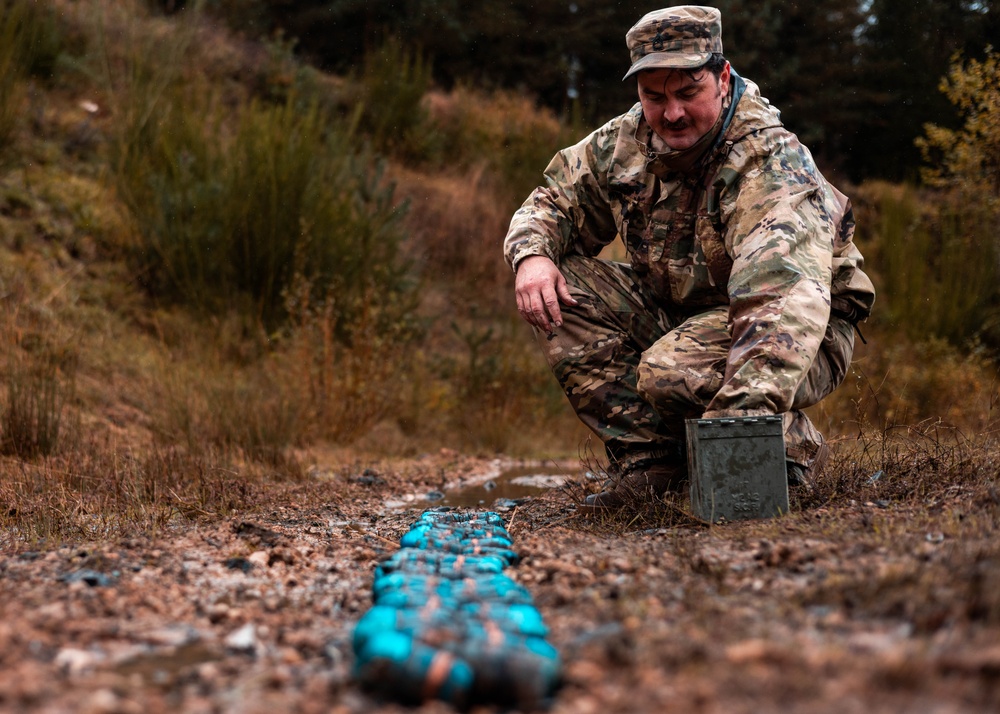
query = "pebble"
x=243 y=640
x=90 y=577
x=172 y=636
x=74 y=661
x=259 y=558
x=103 y=701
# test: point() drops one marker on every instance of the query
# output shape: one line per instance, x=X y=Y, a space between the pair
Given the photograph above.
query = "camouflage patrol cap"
x=680 y=37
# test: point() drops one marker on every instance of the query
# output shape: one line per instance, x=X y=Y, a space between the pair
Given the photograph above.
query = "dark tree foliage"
x=856 y=79
x=807 y=63
x=907 y=47
x=527 y=45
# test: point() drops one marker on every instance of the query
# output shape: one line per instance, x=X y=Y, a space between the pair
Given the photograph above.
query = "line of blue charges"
x=448 y=624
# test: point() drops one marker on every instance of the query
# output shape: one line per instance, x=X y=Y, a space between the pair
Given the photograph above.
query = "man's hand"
x=540 y=287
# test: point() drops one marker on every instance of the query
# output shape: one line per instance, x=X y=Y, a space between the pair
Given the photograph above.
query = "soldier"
x=743 y=287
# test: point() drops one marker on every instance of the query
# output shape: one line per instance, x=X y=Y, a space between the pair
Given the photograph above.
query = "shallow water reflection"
x=511 y=485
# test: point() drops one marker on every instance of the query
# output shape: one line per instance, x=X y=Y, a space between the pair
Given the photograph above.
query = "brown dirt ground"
x=868 y=607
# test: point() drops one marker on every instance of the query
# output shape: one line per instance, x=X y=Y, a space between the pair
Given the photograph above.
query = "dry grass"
x=895 y=381
x=179 y=392
x=104 y=491
x=503 y=133
x=457 y=226
x=916 y=464
x=922 y=466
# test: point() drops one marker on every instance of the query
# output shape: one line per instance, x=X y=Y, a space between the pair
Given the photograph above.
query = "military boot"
x=638 y=483
x=803 y=476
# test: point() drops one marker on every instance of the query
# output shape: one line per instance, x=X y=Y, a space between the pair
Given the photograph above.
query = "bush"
x=394 y=81
x=895 y=381
x=968 y=158
x=226 y=208
x=345 y=385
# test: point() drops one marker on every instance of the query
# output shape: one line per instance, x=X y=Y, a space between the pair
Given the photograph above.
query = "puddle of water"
x=513 y=485
x=163 y=666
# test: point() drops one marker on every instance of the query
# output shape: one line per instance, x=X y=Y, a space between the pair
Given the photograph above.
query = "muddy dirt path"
x=871 y=607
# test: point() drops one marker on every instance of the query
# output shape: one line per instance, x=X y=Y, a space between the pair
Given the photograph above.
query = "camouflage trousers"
x=634 y=370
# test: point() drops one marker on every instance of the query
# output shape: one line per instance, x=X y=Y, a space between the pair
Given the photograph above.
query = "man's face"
x=680 y=108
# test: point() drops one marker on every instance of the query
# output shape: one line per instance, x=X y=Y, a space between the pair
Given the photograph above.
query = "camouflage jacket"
x=753 y=225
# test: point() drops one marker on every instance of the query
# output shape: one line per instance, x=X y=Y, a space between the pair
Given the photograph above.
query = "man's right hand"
x=540 y=287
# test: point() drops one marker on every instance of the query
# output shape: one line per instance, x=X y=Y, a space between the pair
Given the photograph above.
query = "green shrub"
x=226 y=209
x=249 y=17
x=394 y=81
x=300 y=196
x=965 y=162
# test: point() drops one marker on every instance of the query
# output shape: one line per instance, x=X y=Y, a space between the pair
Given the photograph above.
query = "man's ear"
x=724 y=77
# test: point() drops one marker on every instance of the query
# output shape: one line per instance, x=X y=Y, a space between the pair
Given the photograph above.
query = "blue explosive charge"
x=447 y=624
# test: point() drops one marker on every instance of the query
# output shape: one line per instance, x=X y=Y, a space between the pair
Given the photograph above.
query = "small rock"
x=104 y=701
x=74 y=661
x=239 y=564
x=281 y=555
x=171 y=636
x=89 y=577
x=243 y=640
x=585 y=672
x=369 y=477
x=621 y=565
x=333 y=652
x=208 y=672
x=747 y=651
x=217 y=612
x=260 y=558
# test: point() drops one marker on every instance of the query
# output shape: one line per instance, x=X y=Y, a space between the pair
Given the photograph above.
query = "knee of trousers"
x=674 y=389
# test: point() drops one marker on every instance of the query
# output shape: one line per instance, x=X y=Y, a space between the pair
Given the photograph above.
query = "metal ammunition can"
x=737 y=468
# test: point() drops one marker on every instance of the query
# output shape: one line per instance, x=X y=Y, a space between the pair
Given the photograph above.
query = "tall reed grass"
x=937 y=260
x=39 y=386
